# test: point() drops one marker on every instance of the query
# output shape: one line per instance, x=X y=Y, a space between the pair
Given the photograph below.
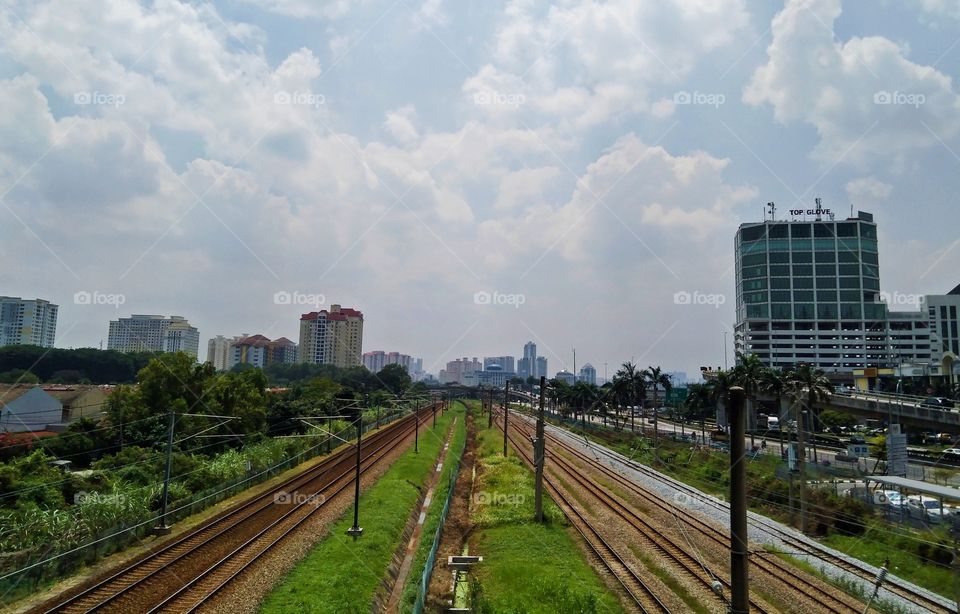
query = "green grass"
x=905 y=562
x=341 y=575
x=430 y=525
x=527 y=567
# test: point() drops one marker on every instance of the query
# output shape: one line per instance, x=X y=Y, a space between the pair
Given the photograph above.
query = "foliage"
x=50 y=364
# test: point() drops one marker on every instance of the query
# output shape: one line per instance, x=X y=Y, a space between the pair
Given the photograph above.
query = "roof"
x=255 y=340
x=12 y=392
x=66 y=394
x=342 y=313
x=283 y=340
x=955 y=291
x=926 y=488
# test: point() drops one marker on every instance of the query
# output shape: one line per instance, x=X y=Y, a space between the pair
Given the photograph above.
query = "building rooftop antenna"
x=772 y=208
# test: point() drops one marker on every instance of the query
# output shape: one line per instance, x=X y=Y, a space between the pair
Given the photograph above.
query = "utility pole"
x=435 y=412
x=506 y=411
x=356 y=531
x=540 y=452
x=739 y=571
x=802 y=464
x=490 y=411
x=724 y=350
x=416 y=427
x=163 y=527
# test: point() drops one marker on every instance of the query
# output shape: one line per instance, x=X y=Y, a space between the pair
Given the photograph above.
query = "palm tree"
x=748 y=374
x=656 y=377
x=631 y=387
x=583 y=394
x=699 y=404
x=773 y=382
x=805 y=386
x=720 y=387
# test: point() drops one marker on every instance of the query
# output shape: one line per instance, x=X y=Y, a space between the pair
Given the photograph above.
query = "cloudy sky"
x=578 y=163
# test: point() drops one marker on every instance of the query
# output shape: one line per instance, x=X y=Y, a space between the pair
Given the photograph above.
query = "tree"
x=395 y=379
x=720 y=386
x=805 y=386
x=700 y=403
x=748 y=374
x=630 y=387
x=657 y=378
x=773 y=382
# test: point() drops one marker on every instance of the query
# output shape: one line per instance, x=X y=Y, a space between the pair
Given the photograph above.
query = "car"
x=857 y=439
x=953 y=452
x=937 y=402
x=926 y=508
x=889 y=498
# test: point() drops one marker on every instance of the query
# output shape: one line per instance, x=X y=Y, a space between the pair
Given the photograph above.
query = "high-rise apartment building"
x=376 y=360
x=332 y=337
x=527 y=366
x=151 y=333
x=541 y=370
x=218 y=352
x=27 y=322
x=457 y=370
x=809 y=291
x=588 y=374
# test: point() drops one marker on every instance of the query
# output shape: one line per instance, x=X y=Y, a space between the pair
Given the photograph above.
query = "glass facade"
x=811 y=280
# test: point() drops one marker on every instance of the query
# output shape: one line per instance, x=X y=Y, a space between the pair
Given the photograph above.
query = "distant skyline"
x=469 y=175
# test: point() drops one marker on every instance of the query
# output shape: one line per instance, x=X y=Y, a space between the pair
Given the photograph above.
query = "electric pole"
x=416 y=427
x=490 y=411
x=164 y=527
x=540 y=452
x=739 y=571
x=356 y=531
x=506 y=410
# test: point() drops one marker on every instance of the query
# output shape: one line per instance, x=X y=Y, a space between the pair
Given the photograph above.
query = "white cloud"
x=865 y=189
x=863 y=96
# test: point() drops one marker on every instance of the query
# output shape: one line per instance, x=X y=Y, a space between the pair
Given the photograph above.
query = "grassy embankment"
x=527 y=567
x=341 y=575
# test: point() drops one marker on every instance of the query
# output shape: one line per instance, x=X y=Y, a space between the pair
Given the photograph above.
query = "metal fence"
x=29 y=574
x=432 y=555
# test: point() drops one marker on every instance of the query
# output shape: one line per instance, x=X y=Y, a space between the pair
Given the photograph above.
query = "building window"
x=803 y=311
x=800 y=230
x=780 y=311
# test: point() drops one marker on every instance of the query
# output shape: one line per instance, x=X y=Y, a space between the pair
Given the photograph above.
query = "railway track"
x=636 y=589
x=678 y=557
x=892 y=584
x=184 y=573
x=775 y=569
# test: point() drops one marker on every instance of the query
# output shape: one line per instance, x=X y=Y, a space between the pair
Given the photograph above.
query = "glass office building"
x=808 y=291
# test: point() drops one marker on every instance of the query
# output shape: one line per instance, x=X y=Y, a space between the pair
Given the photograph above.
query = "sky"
x=470 y=175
